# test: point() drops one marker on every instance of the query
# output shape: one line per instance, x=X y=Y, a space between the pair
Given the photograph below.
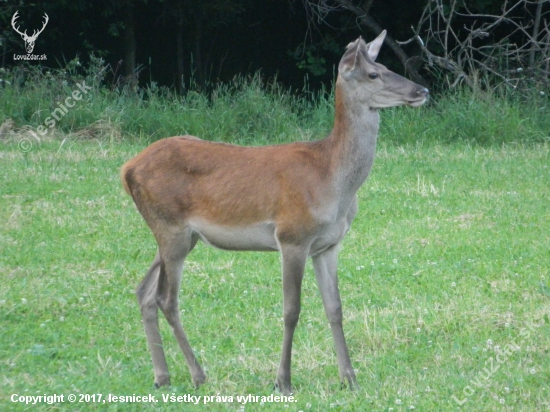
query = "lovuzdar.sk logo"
x=29 y=40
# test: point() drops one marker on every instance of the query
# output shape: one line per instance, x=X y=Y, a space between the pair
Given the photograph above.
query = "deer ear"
x=349 y=59
x=373 y=48
x=354 y=43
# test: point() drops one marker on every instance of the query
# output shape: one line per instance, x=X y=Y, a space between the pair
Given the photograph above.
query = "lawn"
x=444 y=278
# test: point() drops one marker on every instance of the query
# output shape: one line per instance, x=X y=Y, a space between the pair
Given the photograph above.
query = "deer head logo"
x=29 y=40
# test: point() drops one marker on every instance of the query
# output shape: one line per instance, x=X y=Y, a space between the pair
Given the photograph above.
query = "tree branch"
x=513 y=47
x=371 y=24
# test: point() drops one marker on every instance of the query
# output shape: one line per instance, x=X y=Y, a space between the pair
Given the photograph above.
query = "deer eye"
x=373 y=75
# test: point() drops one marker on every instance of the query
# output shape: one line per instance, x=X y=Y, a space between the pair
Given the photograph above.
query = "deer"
x=29 y=40
x=298 y=199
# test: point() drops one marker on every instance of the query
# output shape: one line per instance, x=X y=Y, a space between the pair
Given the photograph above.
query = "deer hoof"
x=163 y=380
x=199 y=379
x=350 y=382
x=283 y=387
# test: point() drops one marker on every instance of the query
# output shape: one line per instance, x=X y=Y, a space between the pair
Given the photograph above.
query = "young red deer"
x=298 y=199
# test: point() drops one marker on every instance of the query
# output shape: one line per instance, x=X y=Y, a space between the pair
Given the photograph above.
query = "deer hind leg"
x=172 y=256
x=162 y=286
x=324 y=266
x=293 y=262
x=146 y=295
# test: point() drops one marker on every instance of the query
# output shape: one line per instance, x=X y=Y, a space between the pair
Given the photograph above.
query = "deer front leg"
x=293 y=263
x=324 y=266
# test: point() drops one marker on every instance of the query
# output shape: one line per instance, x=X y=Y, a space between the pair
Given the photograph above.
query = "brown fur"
x=178 y=177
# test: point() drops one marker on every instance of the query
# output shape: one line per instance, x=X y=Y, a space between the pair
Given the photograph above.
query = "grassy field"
x=444 y=277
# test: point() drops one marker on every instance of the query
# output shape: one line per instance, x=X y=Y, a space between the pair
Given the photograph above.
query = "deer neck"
x=353 y=141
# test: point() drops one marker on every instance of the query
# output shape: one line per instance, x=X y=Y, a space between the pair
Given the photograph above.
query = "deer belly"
x=257 y=237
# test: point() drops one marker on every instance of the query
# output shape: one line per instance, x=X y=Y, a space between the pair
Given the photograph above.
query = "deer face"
x=373 y=84
x=29 y=40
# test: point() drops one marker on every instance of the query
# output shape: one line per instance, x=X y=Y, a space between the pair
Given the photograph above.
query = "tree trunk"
x=129 y=43
x=197 y=58
x=536 y=26
x=180 y=85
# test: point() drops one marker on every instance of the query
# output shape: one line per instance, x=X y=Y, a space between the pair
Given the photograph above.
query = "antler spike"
x=36 y=33
x=13 y=22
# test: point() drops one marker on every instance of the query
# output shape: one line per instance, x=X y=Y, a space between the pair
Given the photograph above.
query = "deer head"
x=29 y=40
x=373 y=84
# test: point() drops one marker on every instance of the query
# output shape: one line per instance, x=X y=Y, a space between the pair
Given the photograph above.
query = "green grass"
x=445 y=266
x=447 y=260
x=247 y=110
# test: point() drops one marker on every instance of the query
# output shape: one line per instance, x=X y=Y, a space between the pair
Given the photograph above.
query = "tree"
x=507 y=41
x=191 y=20
x=320 y=9
x=124 y=26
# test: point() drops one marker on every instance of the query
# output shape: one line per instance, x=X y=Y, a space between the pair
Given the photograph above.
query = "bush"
x=250 y=111
x=473 y=118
